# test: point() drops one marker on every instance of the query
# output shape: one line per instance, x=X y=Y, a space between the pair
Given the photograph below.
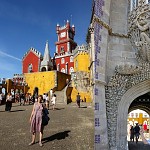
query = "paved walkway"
x=70 y=128
x=138 y=146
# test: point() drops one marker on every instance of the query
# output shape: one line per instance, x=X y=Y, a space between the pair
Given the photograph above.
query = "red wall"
x=67 y=59
x=31 y=58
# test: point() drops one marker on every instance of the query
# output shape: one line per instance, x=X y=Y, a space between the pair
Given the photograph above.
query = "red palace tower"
x=64 y=48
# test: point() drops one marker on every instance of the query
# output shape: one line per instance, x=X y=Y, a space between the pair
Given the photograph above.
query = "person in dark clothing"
x=22 y=98
x=78 y=100
x=137 y=132
x=132 y=133
x=8 y=102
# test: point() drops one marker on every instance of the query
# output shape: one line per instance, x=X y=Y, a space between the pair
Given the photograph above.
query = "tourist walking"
x=132 y=133
x=137 y=132
x=44 y=97
x=36 y=121
x=78 y=100
x=8 y=102
x=47 y=101
x=51 y=94
x=53 y=101
x=22 y=99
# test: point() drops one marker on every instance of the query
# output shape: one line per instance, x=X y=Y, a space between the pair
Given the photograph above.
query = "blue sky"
x=30 y=23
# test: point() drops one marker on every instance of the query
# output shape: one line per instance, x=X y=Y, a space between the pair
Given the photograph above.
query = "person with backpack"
x=36 y=121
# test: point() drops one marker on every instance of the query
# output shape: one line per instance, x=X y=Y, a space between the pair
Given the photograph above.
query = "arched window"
x=62 y=61
x=71 y=70
x=71 y=59
x=30 y=68
x=133 y=4
x=63 y=70
x=62 y=49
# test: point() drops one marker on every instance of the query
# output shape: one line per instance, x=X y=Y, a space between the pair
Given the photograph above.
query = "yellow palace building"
x=81 y=75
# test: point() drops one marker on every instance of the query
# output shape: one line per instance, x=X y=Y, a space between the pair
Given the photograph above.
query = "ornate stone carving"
x=81 y=81
x=115 y=89
x=139 y=28
x=128 y=69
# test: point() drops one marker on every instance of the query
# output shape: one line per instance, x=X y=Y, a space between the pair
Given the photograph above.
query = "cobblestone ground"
x=70 y=128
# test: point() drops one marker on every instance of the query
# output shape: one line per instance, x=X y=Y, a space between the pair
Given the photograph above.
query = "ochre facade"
x=81 y=64
x=44 y=81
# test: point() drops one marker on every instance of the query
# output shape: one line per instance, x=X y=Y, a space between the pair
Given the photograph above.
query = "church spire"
x=46 y=64
x=46 y=53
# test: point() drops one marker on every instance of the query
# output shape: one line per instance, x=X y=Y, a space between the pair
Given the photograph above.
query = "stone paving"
x=138 y=146
x=70 y=128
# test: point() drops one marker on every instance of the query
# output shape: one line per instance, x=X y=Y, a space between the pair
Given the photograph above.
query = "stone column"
x=101 y=34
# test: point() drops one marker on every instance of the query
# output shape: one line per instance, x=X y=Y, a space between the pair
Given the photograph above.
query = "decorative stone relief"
x=81 y=81
x=128 y=69
x=139 y=28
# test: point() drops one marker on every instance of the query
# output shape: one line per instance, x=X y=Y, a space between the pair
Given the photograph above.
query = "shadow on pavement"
x=83 y=106
x=17 y=110
x=139 y=146
x=59 y=108
x=58 y=136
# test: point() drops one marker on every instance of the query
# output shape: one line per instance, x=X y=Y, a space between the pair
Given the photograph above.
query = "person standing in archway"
x=137 y=132
x=132 y=133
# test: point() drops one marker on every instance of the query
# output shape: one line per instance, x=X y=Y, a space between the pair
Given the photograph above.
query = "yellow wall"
x=43 y=80
x=140 y=119
x=84 y=95
x=83 y=62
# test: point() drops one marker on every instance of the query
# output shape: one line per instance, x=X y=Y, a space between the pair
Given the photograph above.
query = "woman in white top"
x=53 y=101
x=47 y=101
x=145 y=141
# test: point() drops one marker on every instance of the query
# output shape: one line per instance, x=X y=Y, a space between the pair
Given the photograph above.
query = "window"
x=71 y=70
x=62 y=49
x=30 y=67
x=71 y=59
x=63 y=70
x=62 y=61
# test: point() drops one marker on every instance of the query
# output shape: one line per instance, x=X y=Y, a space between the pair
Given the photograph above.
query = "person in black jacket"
x=137 y=132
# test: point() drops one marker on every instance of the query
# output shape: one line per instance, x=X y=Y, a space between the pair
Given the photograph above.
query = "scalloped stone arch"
x=131 y=94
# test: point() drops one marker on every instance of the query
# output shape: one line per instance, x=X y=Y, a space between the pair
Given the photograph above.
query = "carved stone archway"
x=122 y=89
x=134 y=92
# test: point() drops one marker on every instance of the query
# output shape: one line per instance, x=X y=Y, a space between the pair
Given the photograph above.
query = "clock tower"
x=64 y=48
